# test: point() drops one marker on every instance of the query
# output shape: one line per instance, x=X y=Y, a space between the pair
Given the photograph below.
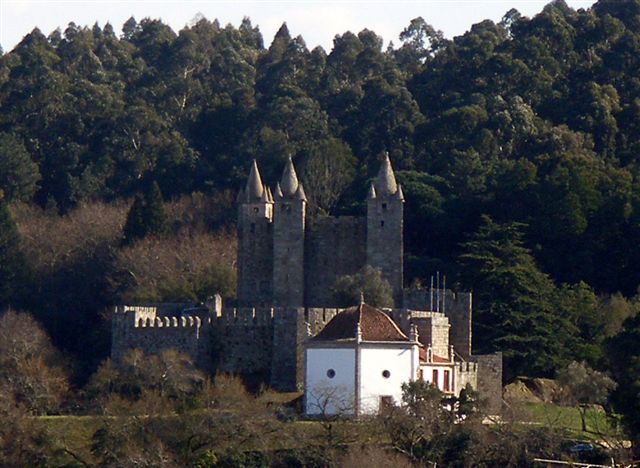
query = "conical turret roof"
x=386 y=181
x=289 y=181
x=300 y=195
x=372 y=193
x=254 y=188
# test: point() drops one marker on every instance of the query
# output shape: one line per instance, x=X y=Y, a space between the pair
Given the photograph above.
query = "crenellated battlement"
x=262 y=341
x=245 y=316
x=188 y=321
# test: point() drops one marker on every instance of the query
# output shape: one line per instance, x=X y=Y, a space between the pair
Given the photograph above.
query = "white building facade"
x=357 y=364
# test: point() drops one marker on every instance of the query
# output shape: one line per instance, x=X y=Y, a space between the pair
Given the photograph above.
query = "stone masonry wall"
x=384 y=241
x=144 y=328
x=490 y=381
x=334 y=247
x=457 y=307
x=255 y=254
x=289 y=220
x=433 y=328
x=242 y=342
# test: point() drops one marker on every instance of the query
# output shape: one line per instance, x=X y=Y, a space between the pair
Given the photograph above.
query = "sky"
x=317 y=22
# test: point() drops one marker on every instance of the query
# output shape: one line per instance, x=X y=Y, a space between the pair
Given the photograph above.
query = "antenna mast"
x=444 y=291
x=437 y=291
x=431 y=295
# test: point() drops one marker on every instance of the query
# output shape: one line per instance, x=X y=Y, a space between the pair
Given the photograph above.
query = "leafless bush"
x=50 y=241
x=30 y=367
x=373 y=455
x=179 y=267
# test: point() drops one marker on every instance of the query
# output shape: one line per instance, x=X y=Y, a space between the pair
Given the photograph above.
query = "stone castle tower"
x=288 y=260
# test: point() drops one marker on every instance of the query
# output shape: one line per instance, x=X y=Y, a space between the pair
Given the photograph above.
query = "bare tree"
x=30 y=367
x=326 y=173
x=331 y=404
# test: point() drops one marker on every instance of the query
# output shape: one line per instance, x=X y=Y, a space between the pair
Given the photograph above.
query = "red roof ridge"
x=375 y=325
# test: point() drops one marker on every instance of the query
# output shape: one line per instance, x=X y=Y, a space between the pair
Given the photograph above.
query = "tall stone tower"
x=255 y=242
x=384 y=227
x=288 y=240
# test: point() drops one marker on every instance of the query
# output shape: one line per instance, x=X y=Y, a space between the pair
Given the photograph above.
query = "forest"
x=517 y=145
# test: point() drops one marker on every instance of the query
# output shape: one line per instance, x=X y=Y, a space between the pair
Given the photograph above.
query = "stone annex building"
x=287 y=265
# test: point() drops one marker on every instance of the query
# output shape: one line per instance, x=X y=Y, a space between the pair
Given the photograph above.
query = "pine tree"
x=134 y=227
x=146 y=216
x=154 y=215
x=515 y=302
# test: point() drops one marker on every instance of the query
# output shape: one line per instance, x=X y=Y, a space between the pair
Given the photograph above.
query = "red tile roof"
x=375 y=325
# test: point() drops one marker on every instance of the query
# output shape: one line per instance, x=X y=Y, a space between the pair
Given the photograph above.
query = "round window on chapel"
x=331 y=373
x=386 y=374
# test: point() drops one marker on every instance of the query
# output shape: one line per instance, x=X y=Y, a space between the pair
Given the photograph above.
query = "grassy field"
x=568 y=418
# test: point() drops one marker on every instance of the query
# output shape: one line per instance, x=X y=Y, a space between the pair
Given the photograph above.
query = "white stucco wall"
x=465 y=373
x=374 y=360
x=427 y=375
x=324 y=395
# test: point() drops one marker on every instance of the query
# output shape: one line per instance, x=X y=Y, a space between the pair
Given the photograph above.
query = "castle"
x=287 y=259
x=287 y=265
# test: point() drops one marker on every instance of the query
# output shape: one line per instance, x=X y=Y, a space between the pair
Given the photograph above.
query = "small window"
x=253 y=227
x=386 y=374
x=256 y=209
x=447 y=377
x=384 y=206
x=434 y=378
x=331 y=373
x=381 y=223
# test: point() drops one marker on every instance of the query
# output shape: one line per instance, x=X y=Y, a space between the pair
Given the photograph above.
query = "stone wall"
x=385 y=224
x=289 y=221
x=242 y=341
x=333 y=247
x=267 y=344
x=456 y=306
x=289 y=331
x=433 y=328
x=149 y=329
x=490 y=382
x=255 y=254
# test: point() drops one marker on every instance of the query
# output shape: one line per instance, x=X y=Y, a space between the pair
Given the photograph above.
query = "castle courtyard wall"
x=335 y=246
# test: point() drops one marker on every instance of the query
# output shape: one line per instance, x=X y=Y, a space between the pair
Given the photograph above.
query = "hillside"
x=517 y=145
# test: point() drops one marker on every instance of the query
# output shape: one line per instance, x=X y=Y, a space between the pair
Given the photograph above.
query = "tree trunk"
x=583 y=417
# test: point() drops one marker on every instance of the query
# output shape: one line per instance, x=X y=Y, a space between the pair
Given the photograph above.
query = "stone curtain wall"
x=334 y=247
x=242 y=342
x=490 y=381
x=267 y=344
x=148 y=329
